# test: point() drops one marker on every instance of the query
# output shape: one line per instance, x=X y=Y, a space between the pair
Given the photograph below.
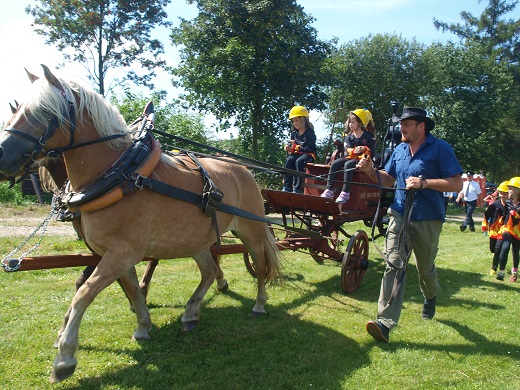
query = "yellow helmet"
x=503 y=186
x=298 y=111
x=361 y=114
x=369 y=115
x=514 y=182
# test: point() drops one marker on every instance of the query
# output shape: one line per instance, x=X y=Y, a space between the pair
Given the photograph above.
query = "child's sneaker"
x=343 y=197
x=327 y=194
x=500 y=275
x=492 y=272
x=514 y=275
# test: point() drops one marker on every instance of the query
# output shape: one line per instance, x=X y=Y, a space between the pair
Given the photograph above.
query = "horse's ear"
x=53 y=80
x=13 y=109
x=32 y=77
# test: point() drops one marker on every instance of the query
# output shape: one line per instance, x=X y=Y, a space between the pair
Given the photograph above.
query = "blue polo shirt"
x=435 y=159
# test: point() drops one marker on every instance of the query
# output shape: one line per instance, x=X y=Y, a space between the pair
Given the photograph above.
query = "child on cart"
x=358 y=142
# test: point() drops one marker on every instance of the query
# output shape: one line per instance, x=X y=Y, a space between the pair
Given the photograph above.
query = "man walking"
x=471 y=194
x=426 y=167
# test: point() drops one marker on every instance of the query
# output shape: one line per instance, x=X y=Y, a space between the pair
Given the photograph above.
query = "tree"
x=494 y=41
x=248 y=62
x=469 y=98
x=168 y=118
x=104 y=35
x=491 y=30
x=373 y=71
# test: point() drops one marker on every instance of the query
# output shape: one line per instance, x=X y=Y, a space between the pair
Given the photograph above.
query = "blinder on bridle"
x=49 y=132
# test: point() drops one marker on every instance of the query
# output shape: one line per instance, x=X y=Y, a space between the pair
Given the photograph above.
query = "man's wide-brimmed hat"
x=415 y=113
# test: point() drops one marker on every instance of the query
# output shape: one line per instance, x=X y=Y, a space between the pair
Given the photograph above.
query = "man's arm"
x=453 y=183
x=365 y=165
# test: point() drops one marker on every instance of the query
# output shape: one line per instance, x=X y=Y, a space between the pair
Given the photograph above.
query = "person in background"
x=358 y=142
x=494 y=217
x=426 y=167
x=471 y=195
x=491 y=198
x=447 y=196
x=301 y=148
x=511 y=232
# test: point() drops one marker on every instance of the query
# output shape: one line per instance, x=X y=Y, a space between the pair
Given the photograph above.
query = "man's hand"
x=365 y=165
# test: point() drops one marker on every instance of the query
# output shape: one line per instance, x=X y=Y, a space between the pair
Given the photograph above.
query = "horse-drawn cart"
x=312 y=223
x=118 y=179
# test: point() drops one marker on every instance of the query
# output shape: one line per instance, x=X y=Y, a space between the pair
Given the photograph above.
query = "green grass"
x=313 y=338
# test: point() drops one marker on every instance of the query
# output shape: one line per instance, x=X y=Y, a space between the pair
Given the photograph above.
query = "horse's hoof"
x=224 y=288
x=61 y=373
x=141 y=336
x=256 y=314
x=189 y=325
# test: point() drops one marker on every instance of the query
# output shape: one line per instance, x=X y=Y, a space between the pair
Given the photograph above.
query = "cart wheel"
x=355 y=262
x=249 y=264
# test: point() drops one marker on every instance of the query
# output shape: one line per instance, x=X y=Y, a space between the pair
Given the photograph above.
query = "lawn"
x=313 y=337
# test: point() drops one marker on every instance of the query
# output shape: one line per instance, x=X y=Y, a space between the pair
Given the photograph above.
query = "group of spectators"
x=502 y=224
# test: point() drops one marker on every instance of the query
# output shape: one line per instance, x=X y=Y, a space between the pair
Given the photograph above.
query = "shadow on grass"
x=232 y=351
x=476 y=343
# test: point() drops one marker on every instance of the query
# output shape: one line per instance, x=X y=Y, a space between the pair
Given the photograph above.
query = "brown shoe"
x=378 y=331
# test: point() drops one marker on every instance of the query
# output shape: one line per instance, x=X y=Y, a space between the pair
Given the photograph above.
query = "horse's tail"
x=272 y=257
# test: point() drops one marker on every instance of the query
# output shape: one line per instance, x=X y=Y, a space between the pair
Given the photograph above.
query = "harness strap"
x=126 y=187
x=196 y=199
x=211 y=195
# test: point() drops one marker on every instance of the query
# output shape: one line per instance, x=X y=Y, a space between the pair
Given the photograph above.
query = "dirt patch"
x=22 y=221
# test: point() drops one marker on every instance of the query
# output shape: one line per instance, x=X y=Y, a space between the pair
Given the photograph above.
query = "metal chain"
x=11 y=264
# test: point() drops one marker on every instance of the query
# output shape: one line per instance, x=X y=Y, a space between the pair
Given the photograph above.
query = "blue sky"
x=345 y=19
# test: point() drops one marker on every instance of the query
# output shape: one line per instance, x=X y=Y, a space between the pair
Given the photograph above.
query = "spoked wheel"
x=355 y=262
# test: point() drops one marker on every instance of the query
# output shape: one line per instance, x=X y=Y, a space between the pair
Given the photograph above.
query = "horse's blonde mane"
x=46 y=181
x=48 y=100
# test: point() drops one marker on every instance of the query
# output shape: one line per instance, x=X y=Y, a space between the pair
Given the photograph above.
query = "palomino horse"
x=67 y=117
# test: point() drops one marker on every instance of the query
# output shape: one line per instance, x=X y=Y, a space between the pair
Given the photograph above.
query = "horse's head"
x=27 y=135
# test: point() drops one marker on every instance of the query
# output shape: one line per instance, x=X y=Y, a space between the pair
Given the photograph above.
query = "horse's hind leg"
x=147 y=277
x=260 y=244
x=222 y=284
x=208 y=272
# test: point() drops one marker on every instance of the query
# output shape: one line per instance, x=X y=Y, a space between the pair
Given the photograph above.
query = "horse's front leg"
x=105 y=273
x=208 y=272
x=137 y=300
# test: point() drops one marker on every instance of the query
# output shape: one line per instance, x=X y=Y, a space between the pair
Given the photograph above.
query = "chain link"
x=10 y=263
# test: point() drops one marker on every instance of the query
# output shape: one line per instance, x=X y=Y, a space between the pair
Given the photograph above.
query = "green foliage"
x=14 y=195
x=168 y=118
x=373 y=71
x=104 y=35
x=481 y=88
x=249 y=62
x=491 y=30
x=470 y=99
